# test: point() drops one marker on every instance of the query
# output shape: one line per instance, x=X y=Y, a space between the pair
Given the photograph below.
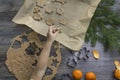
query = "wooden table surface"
x=8 y=30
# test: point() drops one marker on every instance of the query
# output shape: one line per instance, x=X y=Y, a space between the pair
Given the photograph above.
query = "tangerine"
x=90 y=76
x=77 y=74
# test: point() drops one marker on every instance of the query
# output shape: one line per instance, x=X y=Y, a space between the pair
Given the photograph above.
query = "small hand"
x=52 y=33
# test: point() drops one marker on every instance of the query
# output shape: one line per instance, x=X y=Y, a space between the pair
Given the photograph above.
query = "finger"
x=50 y=28
x=55 y=30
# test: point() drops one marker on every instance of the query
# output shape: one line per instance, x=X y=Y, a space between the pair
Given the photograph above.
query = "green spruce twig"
x=104 y=27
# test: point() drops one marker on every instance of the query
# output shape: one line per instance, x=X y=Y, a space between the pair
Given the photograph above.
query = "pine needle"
x=104 y=27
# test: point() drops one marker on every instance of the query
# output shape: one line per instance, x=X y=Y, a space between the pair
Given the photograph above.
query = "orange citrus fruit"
x=117 y=73
x=77 y=74
x=90 y=76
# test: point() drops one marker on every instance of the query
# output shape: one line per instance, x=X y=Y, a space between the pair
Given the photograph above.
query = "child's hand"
x=52 y=33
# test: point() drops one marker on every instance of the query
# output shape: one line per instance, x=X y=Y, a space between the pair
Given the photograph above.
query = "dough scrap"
x=49 y=21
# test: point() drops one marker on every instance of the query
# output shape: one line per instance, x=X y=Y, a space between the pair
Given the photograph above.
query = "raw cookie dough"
x=48 y=9
x=59 y=11
x=49 y=21
x=21 y=61
x=60 y=1
x=41 y=3
x=37 y=16
x=36 y=10
x=63 y=21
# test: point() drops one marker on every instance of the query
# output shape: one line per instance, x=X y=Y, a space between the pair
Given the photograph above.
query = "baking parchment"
x=77 y=13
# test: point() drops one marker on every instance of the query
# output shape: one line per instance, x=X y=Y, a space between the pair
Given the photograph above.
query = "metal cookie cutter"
x=84 y=54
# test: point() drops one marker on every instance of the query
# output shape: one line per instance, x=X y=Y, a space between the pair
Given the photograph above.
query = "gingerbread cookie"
x=60 y=1
x=48 y=9
x=59 y=11
x=49 y=21
x=63 y=21
x=37 y=16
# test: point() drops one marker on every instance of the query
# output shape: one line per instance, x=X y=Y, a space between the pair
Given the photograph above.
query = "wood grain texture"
x=8 y=30
x=10 y=5
x=103 y=67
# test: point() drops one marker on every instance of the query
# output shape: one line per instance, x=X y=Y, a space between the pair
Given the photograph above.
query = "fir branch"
x=104 y=27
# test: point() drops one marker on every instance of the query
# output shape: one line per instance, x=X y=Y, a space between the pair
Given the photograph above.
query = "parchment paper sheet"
x=77 y=12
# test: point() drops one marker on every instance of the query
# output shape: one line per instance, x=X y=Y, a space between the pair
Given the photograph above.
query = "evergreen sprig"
x=104 y=27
